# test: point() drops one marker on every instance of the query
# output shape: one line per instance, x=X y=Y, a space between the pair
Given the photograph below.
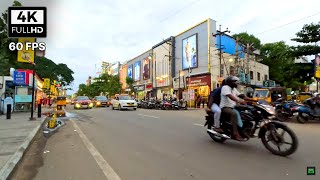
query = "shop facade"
x=163 y=68
x=193 y=49
x=123 y=76
x=139 y=69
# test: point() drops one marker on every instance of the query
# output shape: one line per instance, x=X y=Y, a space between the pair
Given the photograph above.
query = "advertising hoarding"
x=130 y=71
x=190 y=52
x=146 y=68
x=137 y=68
x=317 y=66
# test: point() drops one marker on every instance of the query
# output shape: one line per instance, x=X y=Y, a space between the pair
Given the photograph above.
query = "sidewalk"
x=15 y=136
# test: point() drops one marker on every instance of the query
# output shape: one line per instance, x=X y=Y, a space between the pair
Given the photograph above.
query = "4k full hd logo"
x=27 y=22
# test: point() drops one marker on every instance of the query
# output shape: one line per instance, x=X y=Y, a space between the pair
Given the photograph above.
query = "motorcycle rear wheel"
x=291 y=150
x=217 y=138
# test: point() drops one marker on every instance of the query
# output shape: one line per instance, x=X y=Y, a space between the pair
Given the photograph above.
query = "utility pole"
x=220 y=33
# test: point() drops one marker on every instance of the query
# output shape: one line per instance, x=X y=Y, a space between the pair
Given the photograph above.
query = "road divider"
x=148 y=116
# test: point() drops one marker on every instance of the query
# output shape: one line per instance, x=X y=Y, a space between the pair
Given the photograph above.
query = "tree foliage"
x=309 y=36
x=107 y=85
x=129 y=82
x=245 y=38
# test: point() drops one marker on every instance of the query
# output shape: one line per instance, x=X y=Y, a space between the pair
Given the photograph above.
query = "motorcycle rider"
x=229 y=98
x=214 y=102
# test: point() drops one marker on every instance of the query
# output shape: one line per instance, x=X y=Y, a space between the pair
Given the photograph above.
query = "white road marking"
x=198 y=125
x=148 y=116
x=102 y=163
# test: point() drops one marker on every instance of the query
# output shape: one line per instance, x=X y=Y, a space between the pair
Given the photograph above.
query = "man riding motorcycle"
x=229 y=99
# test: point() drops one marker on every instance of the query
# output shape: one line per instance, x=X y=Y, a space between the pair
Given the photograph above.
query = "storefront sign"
x=46 y=83
x=139 y=88
x=23 y=98
x=202 y=80
x=19 y=78
x=149 y=86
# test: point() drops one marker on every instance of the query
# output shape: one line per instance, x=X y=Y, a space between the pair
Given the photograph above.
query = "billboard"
x=146 y=68
x=26 y=55
x=317 y=66
x=137 y=68
x=190 y=52
x=19 y=77
x=130 y=71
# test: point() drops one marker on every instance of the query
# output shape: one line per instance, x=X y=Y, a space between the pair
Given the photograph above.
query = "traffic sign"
x=27 y=22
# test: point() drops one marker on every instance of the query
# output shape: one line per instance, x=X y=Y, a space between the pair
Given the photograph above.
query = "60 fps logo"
x=27 y=46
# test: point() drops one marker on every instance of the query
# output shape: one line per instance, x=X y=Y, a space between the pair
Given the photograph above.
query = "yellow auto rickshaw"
x=303 y=96
x=61 y=102
x=269 y=94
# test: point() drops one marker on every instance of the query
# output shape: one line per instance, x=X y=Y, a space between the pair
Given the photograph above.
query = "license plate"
x=84 y=105
x=130 y=104
x=296 y=114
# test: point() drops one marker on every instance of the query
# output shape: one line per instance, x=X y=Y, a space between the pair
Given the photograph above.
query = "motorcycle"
x=183 y=104
x=256 y=117
x=310 y=110
x=287 y=109
x=166 y=105
x=151 y=104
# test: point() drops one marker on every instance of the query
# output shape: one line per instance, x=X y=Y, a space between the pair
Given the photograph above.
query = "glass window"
x=101 y=98
x=251 y=74
x=83 y=98
x=258 y=74
x=125 y=98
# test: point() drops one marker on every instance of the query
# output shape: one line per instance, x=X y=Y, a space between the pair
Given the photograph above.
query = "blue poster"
x=130 y=71
x=137 y=69
x=19 y=78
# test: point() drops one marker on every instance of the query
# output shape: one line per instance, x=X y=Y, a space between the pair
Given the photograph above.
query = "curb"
x=17 y=156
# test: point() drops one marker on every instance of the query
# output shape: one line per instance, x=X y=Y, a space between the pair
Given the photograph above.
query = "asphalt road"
x=156 y=145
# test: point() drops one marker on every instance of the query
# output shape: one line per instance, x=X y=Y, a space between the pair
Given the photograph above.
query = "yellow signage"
x=46 y=83
x=24 y=55
x=52 y=88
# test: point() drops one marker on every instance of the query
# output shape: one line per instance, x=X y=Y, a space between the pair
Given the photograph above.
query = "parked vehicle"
x=83 y=102
x=256 y=117
x=309 y=110
x=287 y=109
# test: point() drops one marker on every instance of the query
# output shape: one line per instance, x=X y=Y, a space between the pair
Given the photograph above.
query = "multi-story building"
x=188 y=64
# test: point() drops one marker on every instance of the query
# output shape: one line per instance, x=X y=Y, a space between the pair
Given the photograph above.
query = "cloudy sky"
x=84 y=33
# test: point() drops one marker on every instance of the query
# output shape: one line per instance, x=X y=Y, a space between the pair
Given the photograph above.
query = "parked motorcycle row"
x=308 y=110
x=163 y=104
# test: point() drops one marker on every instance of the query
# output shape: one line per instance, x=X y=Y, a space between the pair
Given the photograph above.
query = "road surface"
x=162 y=145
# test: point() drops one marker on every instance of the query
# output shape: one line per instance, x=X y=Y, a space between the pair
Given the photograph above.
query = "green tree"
x=279 y=58
x=7 y=57
x=309 y=36
x=245 y=38
x=129 y=82
x=82 y=90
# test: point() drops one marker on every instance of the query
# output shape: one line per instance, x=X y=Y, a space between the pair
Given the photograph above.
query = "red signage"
x=28 y=74
x=149 y=86
x=201 y=80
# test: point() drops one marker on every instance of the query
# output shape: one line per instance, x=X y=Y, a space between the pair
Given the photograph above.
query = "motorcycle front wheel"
x=274 y=140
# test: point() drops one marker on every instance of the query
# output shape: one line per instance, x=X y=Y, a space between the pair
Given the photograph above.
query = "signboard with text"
x=19 y=78
x=46 y=83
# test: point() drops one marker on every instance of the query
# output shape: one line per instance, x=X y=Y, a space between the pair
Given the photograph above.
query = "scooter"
x=310 y=110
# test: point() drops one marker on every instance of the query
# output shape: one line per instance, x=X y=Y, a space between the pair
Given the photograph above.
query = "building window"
x=232 y=71
x=258 y=74
x=265 y=77
x=251 y=75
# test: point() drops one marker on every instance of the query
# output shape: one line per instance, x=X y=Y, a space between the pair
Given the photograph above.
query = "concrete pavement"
x=155 y=144
x=15 y=136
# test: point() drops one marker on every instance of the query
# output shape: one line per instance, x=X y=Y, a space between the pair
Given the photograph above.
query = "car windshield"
x=124 y=98
x=261 y=93
x=82 y=98
x=101 y=98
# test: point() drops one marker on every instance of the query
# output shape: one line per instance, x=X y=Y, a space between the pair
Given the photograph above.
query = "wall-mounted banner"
x=190 y=52
x=46 y=83
x=137 y=70
x=25 y=55
x=130 y=71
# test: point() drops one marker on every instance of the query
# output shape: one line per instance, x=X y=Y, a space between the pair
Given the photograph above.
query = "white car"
x=124 y=102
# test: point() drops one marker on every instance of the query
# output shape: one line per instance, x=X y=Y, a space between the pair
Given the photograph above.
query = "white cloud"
x=83 y=33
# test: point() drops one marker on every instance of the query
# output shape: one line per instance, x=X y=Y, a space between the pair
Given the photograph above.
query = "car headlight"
x=91 y=104
x=78 y=105
x=98 y=103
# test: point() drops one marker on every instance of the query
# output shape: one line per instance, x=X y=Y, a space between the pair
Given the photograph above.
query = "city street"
x=155 y=144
